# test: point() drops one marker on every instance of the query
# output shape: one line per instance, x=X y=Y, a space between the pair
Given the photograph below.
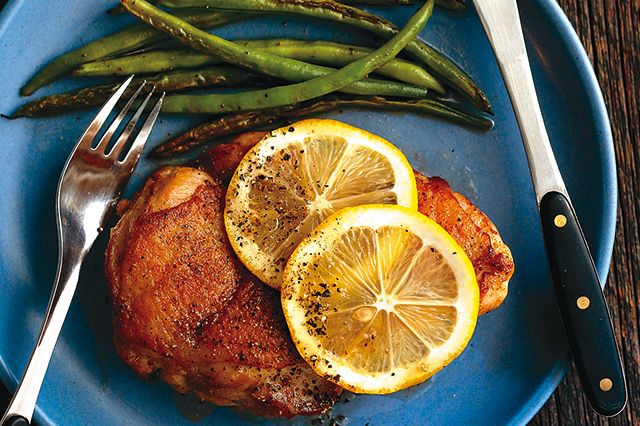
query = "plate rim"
x=604 y=255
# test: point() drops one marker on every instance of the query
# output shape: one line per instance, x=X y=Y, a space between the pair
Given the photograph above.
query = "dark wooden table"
x=610 y=33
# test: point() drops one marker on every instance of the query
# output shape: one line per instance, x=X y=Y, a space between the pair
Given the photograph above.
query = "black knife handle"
x=582 y=306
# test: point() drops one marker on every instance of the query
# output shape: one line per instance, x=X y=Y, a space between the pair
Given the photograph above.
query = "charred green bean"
x=334 y=11
x=278 y=96
x=147 y=62
x=231 y=124
x=226 y=76
x=126 y=40
x=94 y=96
x=336 y=54
x=317 y=52
x=119 y=9
x=447 y=4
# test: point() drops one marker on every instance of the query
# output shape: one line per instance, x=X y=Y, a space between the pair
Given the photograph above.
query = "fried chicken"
x=185 y=308
x=472 y=229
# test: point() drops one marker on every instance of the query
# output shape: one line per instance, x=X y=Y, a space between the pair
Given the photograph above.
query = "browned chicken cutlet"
x=472 y=229
x=184 y=307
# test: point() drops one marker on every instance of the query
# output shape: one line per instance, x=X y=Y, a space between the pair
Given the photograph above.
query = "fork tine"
x=104 y=141
x=87 y=138
x=132 y=156
x=124 y=136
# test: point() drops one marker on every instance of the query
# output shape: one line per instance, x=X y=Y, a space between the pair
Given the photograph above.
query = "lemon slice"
x=299 y=175
x=379 y=298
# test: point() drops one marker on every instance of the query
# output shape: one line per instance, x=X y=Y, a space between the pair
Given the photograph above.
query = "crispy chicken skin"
x=222 y=160
x=472 y=229
x=476 y=234
x=185 y=308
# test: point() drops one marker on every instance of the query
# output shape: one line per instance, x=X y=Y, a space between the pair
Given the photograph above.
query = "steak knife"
x=579 y=296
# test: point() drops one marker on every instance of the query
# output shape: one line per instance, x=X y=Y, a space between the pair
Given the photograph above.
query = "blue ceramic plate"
x=518 y=353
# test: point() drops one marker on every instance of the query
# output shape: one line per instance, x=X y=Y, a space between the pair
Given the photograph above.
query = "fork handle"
x=22 y=405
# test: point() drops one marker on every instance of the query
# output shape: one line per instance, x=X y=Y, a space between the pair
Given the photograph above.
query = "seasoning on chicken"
x=185 y=308
x=472 y=229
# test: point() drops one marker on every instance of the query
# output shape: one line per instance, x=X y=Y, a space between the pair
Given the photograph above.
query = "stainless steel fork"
x=90 y=186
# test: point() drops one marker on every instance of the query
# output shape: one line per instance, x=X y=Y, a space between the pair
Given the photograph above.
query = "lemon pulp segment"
x=299 y=175
x=379 y=298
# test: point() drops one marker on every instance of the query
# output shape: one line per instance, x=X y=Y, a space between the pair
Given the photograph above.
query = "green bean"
x=384 y=2
x=317 y=52
x=97 y=95
x=336 y=54
x=123 y=41
x=256 y=60
x=231 y=124
x=119 y=9
x=147 y=62
x=262 y=61
x=277 y=96
x=452 y=4
x=332 y=10
x=447 y=4
x=92 y=96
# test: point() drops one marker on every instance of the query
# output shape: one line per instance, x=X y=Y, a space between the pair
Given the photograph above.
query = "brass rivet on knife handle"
x=560 y=220
x=606 y=384
x=583 y=302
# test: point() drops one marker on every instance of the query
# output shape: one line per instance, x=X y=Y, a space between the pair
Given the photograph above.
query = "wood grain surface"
x=610 y=33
